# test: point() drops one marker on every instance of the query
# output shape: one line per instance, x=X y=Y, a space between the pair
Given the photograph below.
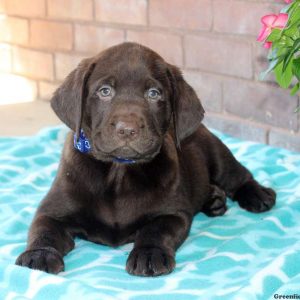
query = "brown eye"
x=154 y=94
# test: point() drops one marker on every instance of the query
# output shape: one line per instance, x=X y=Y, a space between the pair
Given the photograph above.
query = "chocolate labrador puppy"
x=137 y=165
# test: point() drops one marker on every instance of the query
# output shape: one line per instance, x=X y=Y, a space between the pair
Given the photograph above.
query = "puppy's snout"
x=127 y=126
x=127 y=129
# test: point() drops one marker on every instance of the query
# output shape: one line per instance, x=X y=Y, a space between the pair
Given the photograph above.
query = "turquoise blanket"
x=237 y=256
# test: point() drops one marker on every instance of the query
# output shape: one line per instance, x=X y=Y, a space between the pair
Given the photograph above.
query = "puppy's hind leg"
x=216 y=205
x=237 y=182
x=254 y=197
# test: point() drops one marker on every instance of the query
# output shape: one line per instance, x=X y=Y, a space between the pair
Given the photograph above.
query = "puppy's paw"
x=216 y=206
x=255 y=198
x=149 y=261
x=44 y=259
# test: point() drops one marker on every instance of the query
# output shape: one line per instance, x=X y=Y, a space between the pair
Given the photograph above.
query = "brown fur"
x=181 y=168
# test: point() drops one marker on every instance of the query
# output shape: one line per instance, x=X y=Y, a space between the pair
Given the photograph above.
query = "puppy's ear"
x=68 y=100
x=187 y=108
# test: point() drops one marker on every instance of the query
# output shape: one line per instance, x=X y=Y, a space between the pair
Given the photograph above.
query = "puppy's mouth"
x=127 y=155
x=125 y=152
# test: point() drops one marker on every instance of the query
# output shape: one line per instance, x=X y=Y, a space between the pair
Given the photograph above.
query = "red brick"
x=272 y=1
x=16 y=88
x=122 y=11
x=70 y=9
x=190 y=14
x=207 y=87
x=26 y=8
x=5 y=58
x=167 y=45
x=279 y=3
x=46 y=89
x=14 y=30
x=284 y=139
x=260 y=102
x=65 y=63
x=237 y=127
x=242 y=17
x=93 y=39
x=51 y=35
x=220 y=55
x=261 y=63
x=33 y=63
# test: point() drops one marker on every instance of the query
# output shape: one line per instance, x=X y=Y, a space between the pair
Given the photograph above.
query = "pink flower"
x=288 y=1
x=267 y=45
x=269 y=23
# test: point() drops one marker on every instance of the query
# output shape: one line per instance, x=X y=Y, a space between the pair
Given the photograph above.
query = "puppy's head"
x=126 y=99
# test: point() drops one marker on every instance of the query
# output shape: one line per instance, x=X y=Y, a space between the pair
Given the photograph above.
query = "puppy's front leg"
x=155 y=245
x=48 y=242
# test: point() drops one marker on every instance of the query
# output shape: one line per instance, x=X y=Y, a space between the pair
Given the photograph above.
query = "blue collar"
x=121 y=160
x=83 y=145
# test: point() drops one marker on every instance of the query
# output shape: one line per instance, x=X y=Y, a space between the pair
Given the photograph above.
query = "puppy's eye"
x=105 y=91
x=153 y=94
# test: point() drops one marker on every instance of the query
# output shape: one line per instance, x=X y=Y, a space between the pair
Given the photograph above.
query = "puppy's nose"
x=127 y=130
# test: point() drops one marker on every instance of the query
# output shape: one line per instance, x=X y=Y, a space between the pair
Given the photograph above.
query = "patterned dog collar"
x=83 y=145
x=121 y=160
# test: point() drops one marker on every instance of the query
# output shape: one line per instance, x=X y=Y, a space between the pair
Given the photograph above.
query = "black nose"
x=127 y=130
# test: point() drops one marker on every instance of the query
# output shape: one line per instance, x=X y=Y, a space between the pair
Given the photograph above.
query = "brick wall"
x=213 y=41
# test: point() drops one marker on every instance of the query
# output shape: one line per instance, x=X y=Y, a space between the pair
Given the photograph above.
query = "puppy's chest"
x=124 y=203
x=128 y=197
x=125 y=210
x=115 y=222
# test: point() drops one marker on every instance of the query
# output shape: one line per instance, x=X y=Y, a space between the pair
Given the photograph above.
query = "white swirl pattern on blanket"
x=237 y=256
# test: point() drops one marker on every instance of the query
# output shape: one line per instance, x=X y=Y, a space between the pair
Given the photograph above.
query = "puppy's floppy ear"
x=187 y=108
x=68 y=100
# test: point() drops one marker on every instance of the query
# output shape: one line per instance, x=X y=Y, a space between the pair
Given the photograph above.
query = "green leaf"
x=294 y=15
x=284 y=42
x=297 y=109
x=291 y=7
x=292 y=31
x=284 y=78
x=296 y=45
x=275 y=35
x=289 y=57
x=287 y=60
x=295 y=89
x=272 y=65
x=296 y=68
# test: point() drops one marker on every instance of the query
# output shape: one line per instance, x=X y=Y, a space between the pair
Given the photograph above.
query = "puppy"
x=137 y=165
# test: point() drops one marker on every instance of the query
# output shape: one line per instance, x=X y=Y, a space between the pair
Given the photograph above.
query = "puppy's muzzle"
x=127 y=128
